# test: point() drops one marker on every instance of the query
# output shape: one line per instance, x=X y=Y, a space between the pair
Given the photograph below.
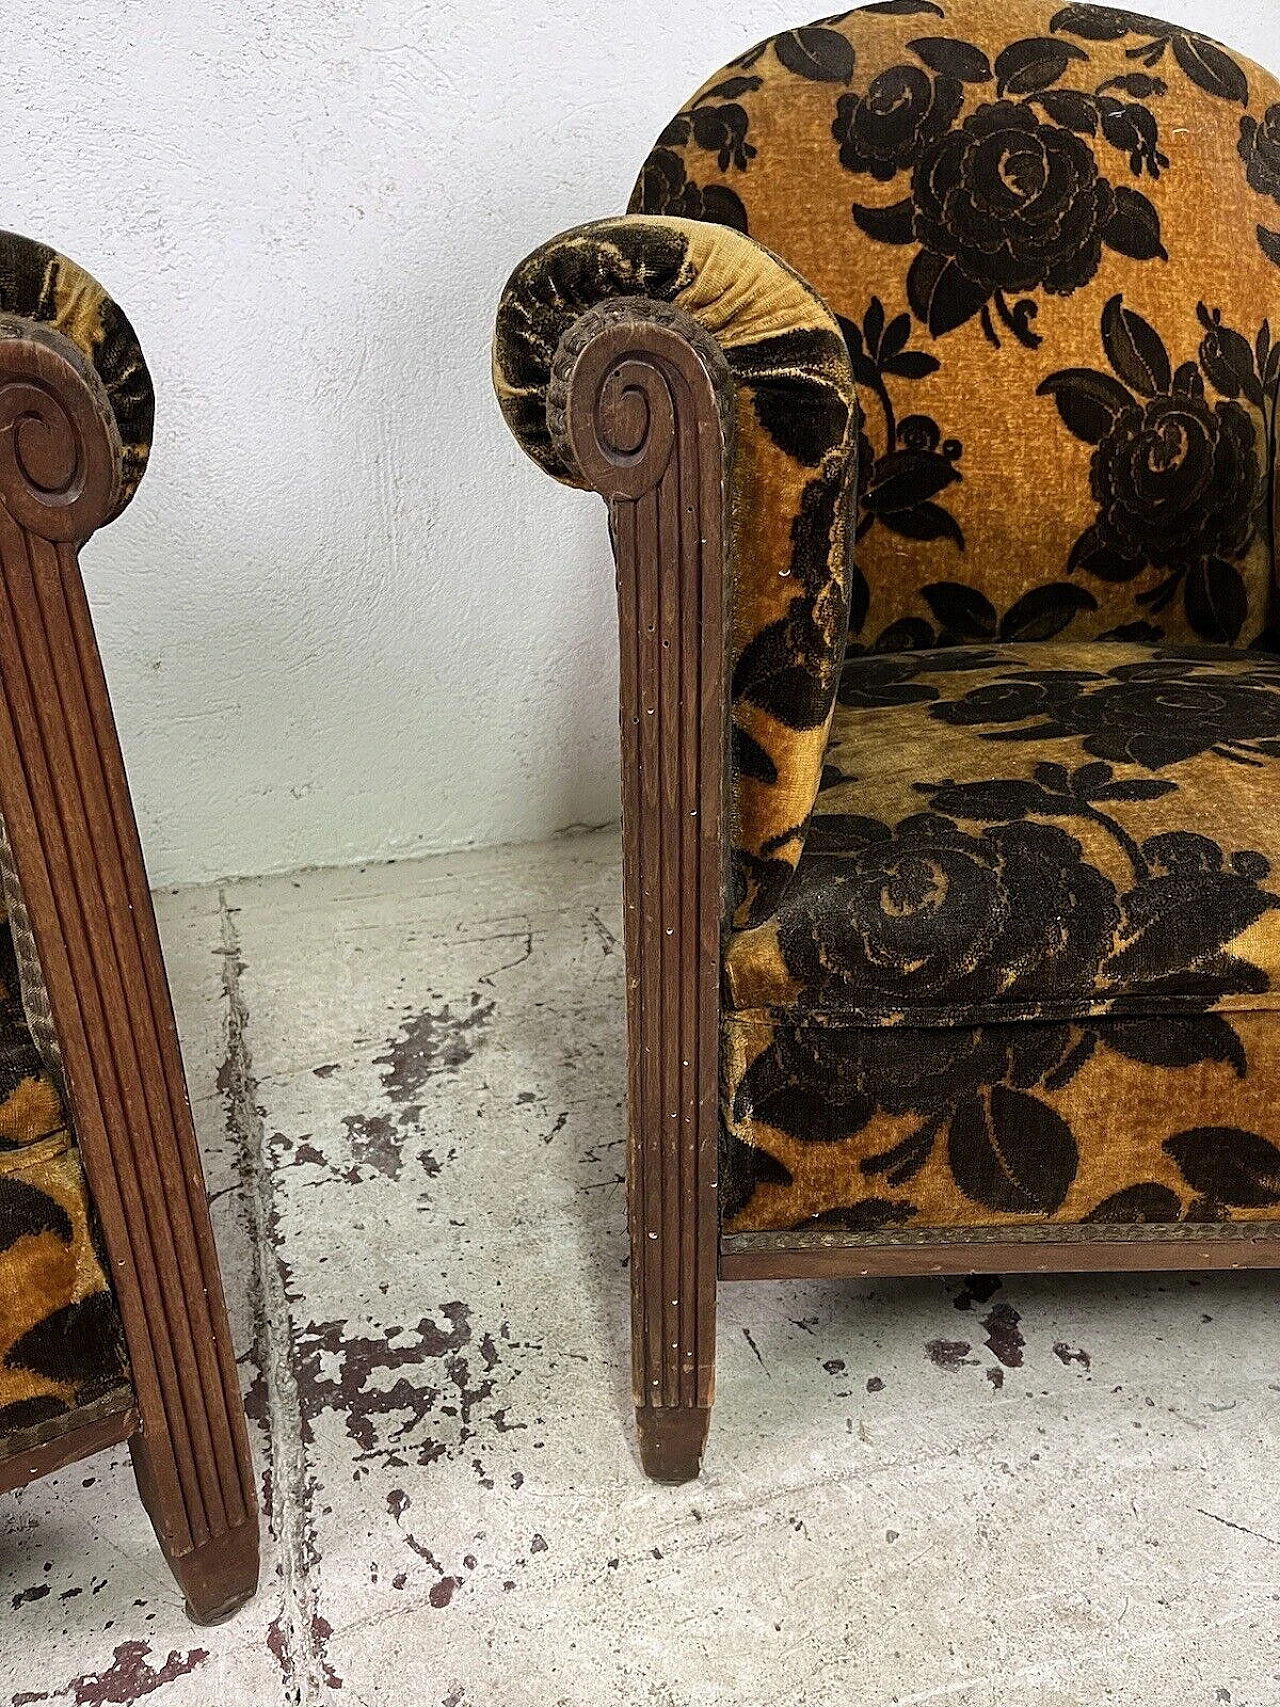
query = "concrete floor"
x=408 y=1084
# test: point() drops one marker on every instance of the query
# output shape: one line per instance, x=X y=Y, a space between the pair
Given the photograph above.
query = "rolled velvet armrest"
x=45 y=289
x=792 y=478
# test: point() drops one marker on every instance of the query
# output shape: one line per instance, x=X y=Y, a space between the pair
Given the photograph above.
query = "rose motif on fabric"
x=664 y=188
x=1173 y=708
x=1013 y=199
x=1260 y=151
x=1177 y=478
x=932 y=914
x=1017 y=203
x=884 y=130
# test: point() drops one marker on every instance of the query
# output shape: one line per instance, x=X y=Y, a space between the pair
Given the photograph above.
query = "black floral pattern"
x=972 y=958
x=884 y=131
x=979 y=906
x=717 y=123
x=1158 y=713
x=664 y=187
x=920 y=949
x=1010 y=204
x=958 y=968
x=1205 y=61
x=1011 y=200
x=817 y=52
x=986 y=1096
x=1260 y=151
x=899 y=485
x=1177 y=478
x=936 y=915
x=825 y=1084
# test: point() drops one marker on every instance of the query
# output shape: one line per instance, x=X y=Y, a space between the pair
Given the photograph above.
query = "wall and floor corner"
x=344 y=619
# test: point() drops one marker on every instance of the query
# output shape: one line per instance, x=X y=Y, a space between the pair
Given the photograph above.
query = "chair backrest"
x=1052 y=235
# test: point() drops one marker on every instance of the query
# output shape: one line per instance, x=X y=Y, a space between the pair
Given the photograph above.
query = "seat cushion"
x=62 y=1357
x=1035 y=831
x=1026 y=971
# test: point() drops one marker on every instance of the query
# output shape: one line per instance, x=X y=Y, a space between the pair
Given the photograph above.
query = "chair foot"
x=671 y=1440
x=218 y=1578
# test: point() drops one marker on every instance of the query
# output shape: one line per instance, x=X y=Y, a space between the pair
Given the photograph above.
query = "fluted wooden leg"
x=641 y=387
x=218 y=1575
x=85 y=929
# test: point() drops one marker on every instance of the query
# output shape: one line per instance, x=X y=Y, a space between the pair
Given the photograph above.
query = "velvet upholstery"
x=1033 y=941
x=793 y=484
x=1017 y=968
x=1052 y=236
x=40 y=285
x=62 y=1353
x=61 y=1348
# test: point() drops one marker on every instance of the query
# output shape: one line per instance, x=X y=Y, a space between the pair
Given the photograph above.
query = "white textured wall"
x=344 y=618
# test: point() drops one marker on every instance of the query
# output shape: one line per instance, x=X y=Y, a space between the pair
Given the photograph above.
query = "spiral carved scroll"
x=60 y=451
x=622 y=375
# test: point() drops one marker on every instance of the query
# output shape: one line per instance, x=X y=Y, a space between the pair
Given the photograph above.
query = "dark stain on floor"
x=950 y=1354
x=129 y=1678
x=1063 y=1352
x=429 y=1043
x=440 y=1399
x=442 y=1590
x=1004 y=1335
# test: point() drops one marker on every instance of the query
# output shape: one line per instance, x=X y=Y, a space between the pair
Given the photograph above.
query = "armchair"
x=113 y=1325
x=931 y=382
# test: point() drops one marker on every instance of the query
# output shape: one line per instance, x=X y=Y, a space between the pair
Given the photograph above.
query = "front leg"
x=642 y=386
x=94 y=978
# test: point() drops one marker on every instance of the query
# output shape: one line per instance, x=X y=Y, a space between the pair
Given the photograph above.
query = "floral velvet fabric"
x=1017 y=969
x=1029 y=964
x=1051 y=235
x=62 y=1356
x=794 y=431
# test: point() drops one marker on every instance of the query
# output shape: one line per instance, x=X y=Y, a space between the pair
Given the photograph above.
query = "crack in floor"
x=296 y=1647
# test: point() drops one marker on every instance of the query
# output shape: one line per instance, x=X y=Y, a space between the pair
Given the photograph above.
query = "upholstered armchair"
x=112 y=1320
x=931 y=382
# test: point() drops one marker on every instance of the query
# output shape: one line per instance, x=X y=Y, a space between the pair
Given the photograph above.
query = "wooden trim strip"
x=997 y=1250
x=28 y=1465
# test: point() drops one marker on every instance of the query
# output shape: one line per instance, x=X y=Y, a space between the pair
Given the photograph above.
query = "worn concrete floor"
x=1046 y=1493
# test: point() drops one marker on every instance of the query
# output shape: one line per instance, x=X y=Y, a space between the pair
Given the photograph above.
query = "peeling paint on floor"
x=408 y=1082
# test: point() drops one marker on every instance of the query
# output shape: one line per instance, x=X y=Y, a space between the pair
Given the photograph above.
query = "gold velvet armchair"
x=112 y=1320
x=931 y=382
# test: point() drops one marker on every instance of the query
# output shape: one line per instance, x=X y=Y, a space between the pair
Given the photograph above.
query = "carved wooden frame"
x=82 y=915
x=641 y=402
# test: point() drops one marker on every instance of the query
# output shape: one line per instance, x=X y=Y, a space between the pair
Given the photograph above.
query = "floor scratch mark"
x=1244 y=1530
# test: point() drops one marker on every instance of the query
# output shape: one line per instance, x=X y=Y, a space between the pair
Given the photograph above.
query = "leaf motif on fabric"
x=1012 y=1153
x=1229 y=1166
